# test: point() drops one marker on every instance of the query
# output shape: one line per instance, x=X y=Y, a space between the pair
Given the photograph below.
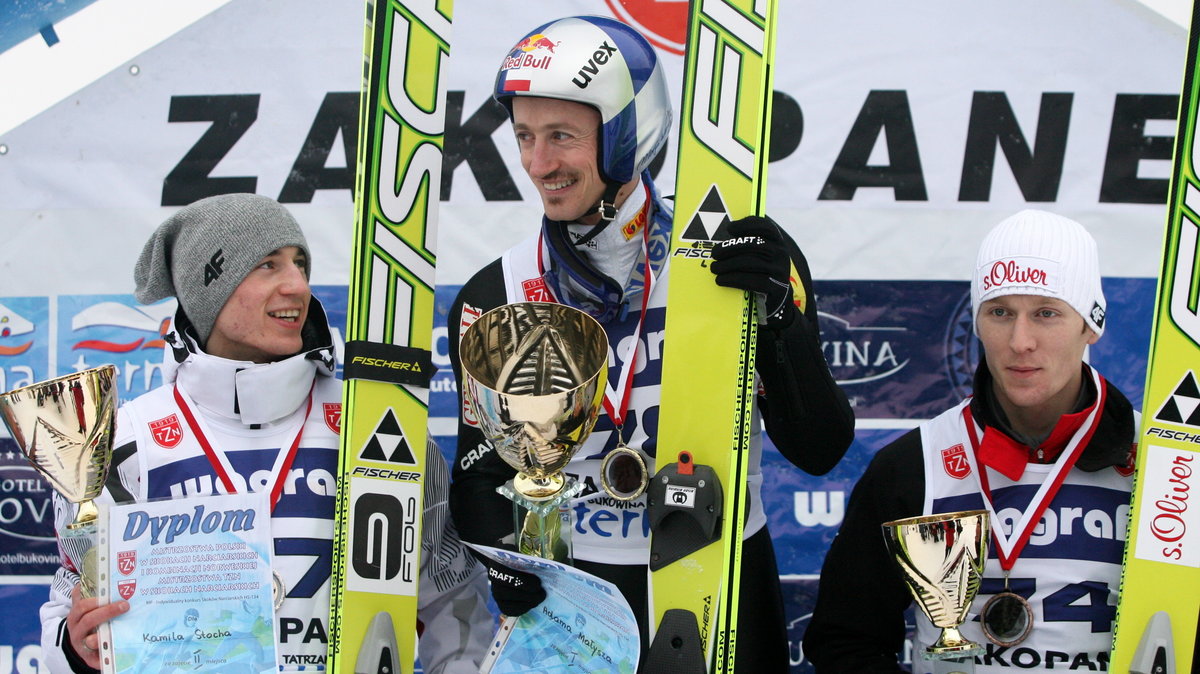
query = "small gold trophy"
x=941 y=558
x=64 y=427
x=534 y=373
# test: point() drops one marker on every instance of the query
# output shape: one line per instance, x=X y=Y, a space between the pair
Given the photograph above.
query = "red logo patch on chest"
x=167 y=432
x=954 y=460
x=535 y=290
x=333 y=417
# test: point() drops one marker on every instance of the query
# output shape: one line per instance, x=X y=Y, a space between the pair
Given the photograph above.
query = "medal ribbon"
x=1009 y=549
x=616 y=399
x=220 y=463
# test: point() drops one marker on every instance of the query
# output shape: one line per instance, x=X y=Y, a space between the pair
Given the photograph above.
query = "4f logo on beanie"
x=1098 y=315
x=212 y=270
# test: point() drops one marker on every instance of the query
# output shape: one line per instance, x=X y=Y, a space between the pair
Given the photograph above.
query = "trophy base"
x=954 y=666
x=79 y=544
x=538 y=522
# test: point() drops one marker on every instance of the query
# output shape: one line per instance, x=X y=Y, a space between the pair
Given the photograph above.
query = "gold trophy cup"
x=941 y=558
x=64 y=427
x=534 y=374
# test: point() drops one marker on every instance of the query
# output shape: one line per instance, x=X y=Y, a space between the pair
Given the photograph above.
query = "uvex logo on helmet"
x=1011 y=272
x=601 y=56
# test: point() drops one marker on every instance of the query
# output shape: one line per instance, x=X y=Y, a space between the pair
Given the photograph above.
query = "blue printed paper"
x=584 y=625
x=197 y=575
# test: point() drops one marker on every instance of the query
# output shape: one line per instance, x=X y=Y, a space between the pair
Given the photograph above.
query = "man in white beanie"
x=249 y=401
x=1045 y=444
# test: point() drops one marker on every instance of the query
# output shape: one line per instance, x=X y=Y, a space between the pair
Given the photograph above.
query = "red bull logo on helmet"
x=536 y=42
x=535 y=51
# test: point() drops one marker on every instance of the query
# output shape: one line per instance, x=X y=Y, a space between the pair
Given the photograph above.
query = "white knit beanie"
x=1040 y=253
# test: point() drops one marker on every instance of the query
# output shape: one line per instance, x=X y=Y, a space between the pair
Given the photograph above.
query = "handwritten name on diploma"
x=198 y=521
x=176 y=636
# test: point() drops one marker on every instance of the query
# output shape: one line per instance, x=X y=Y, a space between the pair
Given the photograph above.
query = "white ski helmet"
x=603 y=63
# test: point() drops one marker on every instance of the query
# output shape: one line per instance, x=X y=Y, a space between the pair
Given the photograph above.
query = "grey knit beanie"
x=201 y=253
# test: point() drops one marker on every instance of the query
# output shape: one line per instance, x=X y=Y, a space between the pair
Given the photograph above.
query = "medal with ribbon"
x=223 y=470
x=1007 y=618
x=624 y=471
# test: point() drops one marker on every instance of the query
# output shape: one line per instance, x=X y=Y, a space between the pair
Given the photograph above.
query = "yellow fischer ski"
x=389 y=330
x=1156 y=627
x=697 y=499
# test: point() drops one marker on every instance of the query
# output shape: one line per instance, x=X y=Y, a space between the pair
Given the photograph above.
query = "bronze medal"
x=1007 y=619
x=624 y=474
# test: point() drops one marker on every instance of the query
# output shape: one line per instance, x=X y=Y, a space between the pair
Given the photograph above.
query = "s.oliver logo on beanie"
x=1024 y=272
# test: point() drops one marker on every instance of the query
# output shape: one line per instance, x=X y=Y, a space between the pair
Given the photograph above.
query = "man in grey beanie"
x=203 y=253
x=250 y=401
x=1045 y=444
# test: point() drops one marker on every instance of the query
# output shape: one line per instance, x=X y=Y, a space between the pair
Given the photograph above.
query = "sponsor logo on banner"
x=534 y=290
x=13 y=324
x=127 y=562
x=167 y=432
x=24 y=343
x=126 y=588
x=1169 y=520
x=98 y=329
x=819 y=508
x=333 y=417
x=861 y=354
x=664 y=24
x=26 y=509
x=954 y=460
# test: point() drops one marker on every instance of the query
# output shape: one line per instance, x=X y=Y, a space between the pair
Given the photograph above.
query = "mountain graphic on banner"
x=388 y=443
x=711 y=219
x=1182 y=406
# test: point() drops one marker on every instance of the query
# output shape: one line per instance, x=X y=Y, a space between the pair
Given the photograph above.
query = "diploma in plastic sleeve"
x=197 y=575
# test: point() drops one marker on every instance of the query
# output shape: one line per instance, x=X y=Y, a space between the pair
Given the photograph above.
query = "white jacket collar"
x=242 y=391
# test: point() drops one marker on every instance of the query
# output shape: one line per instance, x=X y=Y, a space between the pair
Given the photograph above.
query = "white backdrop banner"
x=902 y=132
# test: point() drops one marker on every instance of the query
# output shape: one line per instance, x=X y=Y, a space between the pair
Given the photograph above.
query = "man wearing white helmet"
x=590 y=110
x=1045 y=444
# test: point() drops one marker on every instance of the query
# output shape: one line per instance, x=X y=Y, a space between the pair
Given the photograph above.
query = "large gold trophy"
x=64 y=428
x=941 y=558
x=534 y=373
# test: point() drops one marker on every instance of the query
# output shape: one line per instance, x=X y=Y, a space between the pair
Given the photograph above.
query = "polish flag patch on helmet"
x=954 y=460
x=167 y=432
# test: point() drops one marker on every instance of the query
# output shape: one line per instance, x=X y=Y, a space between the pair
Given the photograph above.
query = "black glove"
x=515 y=591
x=754 y=258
